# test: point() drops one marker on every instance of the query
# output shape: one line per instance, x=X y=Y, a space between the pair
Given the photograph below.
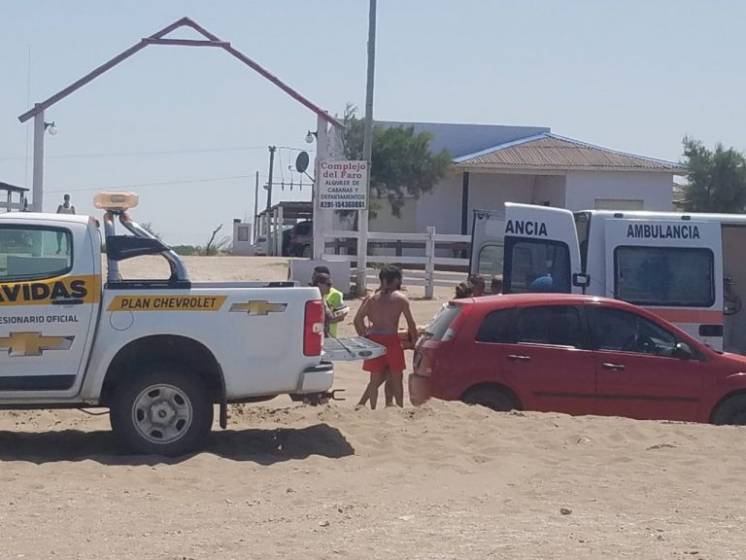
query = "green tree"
x=403 y=164
x=717 y=179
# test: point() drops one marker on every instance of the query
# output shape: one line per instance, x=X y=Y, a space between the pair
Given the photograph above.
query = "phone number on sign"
x=344 y=205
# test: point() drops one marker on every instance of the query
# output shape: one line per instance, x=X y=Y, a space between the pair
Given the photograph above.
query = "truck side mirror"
x=581 y=280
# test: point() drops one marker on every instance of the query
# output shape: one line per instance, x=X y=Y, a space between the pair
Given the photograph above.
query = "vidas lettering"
x=518 y=227
x=40 y=292
x=660 y=231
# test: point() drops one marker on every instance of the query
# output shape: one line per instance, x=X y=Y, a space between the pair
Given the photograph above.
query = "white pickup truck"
x=158 y=353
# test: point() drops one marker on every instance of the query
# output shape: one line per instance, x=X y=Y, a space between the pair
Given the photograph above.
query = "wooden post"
x=430 y=264
x=279 y=229
x=319 y=214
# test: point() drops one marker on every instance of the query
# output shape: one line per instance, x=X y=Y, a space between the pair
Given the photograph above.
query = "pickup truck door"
x=49 y=293
x=541 y=250
x=673 y=268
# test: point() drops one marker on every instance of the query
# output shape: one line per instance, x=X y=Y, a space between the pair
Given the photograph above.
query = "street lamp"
x=50 y=128
x=310 y=137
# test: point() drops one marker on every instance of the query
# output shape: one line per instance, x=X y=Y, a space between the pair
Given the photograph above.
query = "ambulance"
x=687 y=268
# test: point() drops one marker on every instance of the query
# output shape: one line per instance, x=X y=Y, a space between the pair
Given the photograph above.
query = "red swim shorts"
x=393 y=359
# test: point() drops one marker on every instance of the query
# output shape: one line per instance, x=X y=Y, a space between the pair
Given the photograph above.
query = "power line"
x=155 y=184
x=157 y=152
x=158 y=183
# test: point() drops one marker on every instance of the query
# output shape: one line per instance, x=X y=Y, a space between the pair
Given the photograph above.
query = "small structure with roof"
x=497 y=164
x=270 y=225
x=12 y=197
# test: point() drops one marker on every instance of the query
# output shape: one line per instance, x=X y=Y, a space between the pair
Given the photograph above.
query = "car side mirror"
x=683 y=351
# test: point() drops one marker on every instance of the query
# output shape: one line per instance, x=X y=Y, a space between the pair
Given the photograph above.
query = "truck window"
x=670 y=276
x=490 y=260
x=29 y=252
x=535 y=265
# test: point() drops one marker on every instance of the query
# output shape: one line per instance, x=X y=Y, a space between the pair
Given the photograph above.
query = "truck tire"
x=164 y=411
x=731 y=411
x=493 y=398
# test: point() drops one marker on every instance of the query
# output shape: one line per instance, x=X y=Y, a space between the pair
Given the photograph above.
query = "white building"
x=496 y=164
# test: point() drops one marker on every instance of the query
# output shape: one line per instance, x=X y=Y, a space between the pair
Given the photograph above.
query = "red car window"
x=558 y=325
x=496 y=326
x=622 y=331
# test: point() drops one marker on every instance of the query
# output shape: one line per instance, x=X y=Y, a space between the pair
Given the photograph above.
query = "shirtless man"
x=383 y=311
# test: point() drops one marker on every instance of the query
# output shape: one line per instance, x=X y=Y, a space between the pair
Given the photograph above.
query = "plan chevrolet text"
x=158 y=353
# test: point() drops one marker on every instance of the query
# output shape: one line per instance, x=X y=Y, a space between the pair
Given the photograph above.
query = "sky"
x=187 y=129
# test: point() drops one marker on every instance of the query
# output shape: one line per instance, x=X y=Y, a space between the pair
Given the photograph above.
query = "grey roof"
x=463 y=139
x=12 y=188
x=547 y=151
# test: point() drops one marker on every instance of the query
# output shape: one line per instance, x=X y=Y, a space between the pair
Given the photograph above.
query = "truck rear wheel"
x=164 y=411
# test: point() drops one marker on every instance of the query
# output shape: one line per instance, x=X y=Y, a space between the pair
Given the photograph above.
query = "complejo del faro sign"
x=343 y=185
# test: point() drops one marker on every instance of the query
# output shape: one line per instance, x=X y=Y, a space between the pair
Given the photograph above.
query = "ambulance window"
x=671 y=276
x=34 y=252
x=490 y=260
x=534 y=265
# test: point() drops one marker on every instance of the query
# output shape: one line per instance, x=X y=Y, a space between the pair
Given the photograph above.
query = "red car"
x=575 y=354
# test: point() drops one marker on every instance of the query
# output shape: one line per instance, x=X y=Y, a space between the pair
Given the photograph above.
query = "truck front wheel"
x=164 y=411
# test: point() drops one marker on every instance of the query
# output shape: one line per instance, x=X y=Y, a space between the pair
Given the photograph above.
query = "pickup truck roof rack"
x=122 y=249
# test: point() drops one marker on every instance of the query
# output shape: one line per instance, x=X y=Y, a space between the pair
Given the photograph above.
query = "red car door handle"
x=519 y=358
x=612 y=367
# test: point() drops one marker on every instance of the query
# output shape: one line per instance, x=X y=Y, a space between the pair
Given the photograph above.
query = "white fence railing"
x=428 y=240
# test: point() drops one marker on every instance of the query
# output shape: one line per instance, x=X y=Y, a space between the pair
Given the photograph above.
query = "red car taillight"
x=423 y=362
x=313 y=328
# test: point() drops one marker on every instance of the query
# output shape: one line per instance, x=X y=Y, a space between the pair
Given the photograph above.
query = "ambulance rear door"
x=487 y=239
x=671 y=267
x=541 y=250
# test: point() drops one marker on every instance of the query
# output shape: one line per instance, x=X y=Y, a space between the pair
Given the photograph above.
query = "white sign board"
x=343 y=185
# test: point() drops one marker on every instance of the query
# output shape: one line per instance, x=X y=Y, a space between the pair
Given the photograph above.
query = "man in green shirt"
x=334 y=300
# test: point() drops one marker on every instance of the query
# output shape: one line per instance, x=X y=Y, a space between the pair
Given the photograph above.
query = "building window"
x=243 y=233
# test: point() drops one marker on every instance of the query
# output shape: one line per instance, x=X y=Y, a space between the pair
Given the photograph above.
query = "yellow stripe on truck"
x=166 y=303
x=44 y=292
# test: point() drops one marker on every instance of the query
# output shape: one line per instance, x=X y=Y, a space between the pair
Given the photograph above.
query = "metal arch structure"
x=159 y=38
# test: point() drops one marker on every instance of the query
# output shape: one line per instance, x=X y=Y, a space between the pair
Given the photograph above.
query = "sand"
x=442 y=481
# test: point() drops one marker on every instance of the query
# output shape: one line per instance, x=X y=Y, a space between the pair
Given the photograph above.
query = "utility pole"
x=269 y=199
x=362 y=225
x=255 y=233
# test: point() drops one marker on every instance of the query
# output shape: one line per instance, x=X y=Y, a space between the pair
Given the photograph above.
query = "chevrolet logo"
x=258 y=307
x=33 y=343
